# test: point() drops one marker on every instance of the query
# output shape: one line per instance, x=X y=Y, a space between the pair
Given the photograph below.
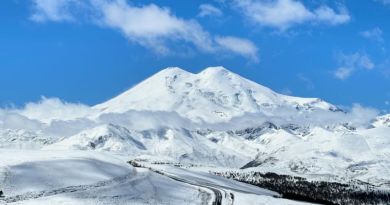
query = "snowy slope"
x=32 y=171
x=382 y=121
x=63 y=177
x=86 y=177
x=102 y=138
x=174 y=144
x=23 y=139
x=315 y=153
x=213 y=95
x=326 y=155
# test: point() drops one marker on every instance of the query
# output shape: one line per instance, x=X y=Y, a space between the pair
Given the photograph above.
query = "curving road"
x=217 y=193
x=221 y=196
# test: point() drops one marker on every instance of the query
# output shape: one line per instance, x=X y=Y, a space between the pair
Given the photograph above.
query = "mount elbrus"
x=220 y=120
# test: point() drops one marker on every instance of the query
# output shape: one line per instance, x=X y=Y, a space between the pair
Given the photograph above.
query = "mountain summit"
x=213 y=95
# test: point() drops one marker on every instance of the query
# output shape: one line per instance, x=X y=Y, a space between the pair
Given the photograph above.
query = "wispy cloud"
x=240 y=46
x=52 y=116
x=209 y=10
x=283 y=14
x=348 y=64
x=55 y=118
x=286 y=91
x=53 y=10
x=49 y=109
x=307 y=81
x=375 y=34
x=385 y=2
x=150 y=25
x=343 y=73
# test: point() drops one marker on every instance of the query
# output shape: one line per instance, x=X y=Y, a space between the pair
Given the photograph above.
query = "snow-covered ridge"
x=107 y=137
x=213 y=95
x=382 y=121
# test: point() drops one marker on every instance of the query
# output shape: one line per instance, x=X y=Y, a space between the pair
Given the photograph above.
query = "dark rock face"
x=254 y=132
x=258 y=162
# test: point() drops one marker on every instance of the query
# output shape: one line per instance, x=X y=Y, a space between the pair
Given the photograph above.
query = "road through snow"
x=223 y=193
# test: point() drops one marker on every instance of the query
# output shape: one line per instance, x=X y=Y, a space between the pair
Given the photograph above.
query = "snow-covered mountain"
x=178 y=145
x=213 y=95
x=279 y=133
x=220 y=120
x=23 y=139
x=382 y=121
x=102 y=138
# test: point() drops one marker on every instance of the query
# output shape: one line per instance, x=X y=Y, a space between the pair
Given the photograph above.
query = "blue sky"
x=88 y=51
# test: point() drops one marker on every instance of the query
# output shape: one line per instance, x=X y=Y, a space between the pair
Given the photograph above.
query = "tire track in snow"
x=69 y=189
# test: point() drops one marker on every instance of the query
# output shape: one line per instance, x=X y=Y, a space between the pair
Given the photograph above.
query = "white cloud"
x=240 y=46
x=328 y=15
x=365 y=62
x=283 y=14
x=49 y=116
x=152 y=26
x=209 y=10
x=49 y=109
x=375 y=34
x=68 y=119
x=343 y=73
x=360 y=115
x=149 y=25
x=286 y=91
x=307 y=81
x=356 y=115
x=52 y=10
x=147 y=120
x=385 y=2
x=351 y=63
x=11 y=120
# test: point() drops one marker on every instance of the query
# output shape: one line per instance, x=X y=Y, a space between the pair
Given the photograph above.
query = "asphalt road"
x=220 y=195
